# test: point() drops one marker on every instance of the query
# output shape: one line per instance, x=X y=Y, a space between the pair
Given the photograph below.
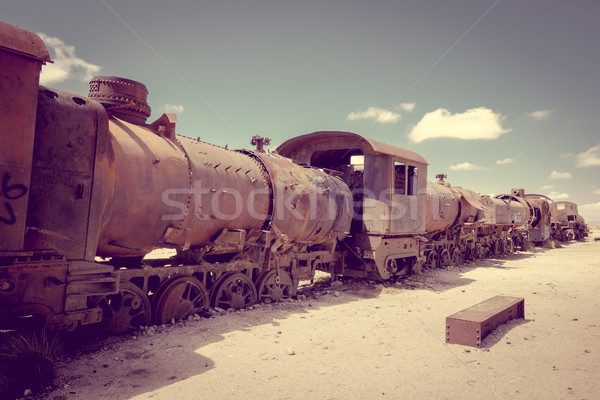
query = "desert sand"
x=367 y=340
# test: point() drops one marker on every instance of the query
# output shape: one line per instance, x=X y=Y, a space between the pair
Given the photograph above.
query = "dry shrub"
x=527 y=246
x=27 y=361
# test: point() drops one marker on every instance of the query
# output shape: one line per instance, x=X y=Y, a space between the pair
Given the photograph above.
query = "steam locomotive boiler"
x=87 y=177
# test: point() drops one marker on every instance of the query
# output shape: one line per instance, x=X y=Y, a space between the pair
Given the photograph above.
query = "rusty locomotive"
x=89 y=188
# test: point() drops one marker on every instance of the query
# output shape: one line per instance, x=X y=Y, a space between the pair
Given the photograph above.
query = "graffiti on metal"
x=10 y=192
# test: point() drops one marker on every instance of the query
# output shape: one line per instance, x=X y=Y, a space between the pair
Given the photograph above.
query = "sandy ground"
x=363 y=340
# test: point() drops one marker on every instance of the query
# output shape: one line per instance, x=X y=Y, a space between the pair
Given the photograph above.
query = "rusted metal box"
x=470 y=326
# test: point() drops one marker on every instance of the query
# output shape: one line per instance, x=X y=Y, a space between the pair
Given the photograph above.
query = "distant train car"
x=568 y=225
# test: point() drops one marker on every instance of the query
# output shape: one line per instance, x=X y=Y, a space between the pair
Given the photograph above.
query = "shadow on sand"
x=149 y=370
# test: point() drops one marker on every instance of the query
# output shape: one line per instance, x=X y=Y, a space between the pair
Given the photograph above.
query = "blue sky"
x=496 y=94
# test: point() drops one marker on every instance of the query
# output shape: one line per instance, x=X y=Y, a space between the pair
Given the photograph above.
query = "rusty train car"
x=90 y=187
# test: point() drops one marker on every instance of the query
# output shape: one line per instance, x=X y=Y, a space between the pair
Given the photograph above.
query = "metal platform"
x=470 y=326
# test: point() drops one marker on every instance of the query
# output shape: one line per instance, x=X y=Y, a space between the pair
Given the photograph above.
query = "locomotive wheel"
x=510 y=246
x=496 y=248
x=505 y=246
x=234 y=290
x=274 y=287
x=455 y=256
x=182 y=297
x=444 y=258
x=431 y=261
x=484 y=252
x=127 y=310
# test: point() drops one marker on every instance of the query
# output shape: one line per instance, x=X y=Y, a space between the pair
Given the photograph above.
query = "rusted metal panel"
x=471 y=205
x=309 y=206
x=147 y=186
x=229 y=190
x=505 y=209
x=540 y=224
x=21 y=42
x=62 y=174
x=567 y=211
x=22 y=54
x=36 y=288
x=470 y=326
x=442 y=207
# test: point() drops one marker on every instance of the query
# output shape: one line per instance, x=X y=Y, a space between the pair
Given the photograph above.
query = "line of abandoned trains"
x=89 y=188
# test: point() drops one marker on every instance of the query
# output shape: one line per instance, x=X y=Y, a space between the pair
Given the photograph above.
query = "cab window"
x=405 y=179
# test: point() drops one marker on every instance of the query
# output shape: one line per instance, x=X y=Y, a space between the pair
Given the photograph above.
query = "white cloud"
x=377 y=114
x=560 y=175
x=410 y=107
x=172 y=108
x=590 y=212
x=597 y=191
x=539 y=115
x=476 y=123
x=466 y=166
x=590 y=157
x=558 y=196
x=66 y=64
x=505 y=161
x=547 y=187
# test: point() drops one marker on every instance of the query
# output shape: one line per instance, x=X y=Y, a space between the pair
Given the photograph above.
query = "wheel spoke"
x=182 y=297
x=125 y=310
x=233 y=291
x=274 y=285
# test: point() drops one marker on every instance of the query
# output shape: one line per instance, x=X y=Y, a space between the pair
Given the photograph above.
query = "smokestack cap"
x=124 y=98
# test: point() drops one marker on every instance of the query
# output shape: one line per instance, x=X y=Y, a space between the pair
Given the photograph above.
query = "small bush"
x=27 y=361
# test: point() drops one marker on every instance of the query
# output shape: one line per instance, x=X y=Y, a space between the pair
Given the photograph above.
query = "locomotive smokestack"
x=126 y=99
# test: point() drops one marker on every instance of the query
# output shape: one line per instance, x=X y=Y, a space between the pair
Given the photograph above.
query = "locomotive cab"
x=388 y=183
x=388 y=186
x=569 y=224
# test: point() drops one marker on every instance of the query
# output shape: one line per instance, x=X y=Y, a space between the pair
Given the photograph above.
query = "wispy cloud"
x=509 y=160
x=505 y=161
x=560 y=175
x=597 y=191
x=558 y=196
x=476 y=123
x=172 y=108
x=547 y=187
x=410 y=107
x=539 y=115
x=589 y=158
x=380 y=115
x=66 y=63
x=466 y=166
